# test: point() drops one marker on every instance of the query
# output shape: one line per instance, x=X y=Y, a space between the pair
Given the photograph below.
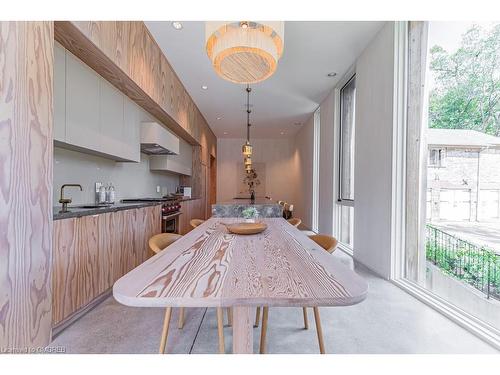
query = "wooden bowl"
x=246 y=228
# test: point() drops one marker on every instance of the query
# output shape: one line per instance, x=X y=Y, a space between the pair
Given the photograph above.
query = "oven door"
x=170 y=223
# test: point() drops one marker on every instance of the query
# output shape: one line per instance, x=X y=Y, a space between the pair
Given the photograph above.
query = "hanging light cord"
x=248 y=112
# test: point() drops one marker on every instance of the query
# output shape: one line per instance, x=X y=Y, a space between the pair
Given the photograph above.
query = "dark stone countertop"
x=79 y=212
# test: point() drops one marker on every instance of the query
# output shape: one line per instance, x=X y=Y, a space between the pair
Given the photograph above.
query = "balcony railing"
x=474 y=265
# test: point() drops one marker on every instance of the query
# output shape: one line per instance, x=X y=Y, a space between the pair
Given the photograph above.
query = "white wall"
x=280 y=168
x=131 y=180
x=303 y=160
x=304 y=142
x=373 y=154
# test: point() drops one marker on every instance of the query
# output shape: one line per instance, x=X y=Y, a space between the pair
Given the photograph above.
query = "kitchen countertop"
x=79 y=212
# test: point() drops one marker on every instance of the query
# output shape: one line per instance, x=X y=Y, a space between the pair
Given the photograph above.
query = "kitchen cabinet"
x=82 y=105
x=59 y=92
x=111 y=120
x=190 y=209
x=91 y=252
x=91 y=115
x=181 y=163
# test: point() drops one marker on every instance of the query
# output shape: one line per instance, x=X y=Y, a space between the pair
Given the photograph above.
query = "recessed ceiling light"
x=282 y=133
x=219 y=118
x=177 y=25
x=204 y=87
x=297 y=123
x=331 y=74
x=226 y=133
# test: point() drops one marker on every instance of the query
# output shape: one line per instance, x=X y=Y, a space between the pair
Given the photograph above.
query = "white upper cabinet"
x=90 y=114
x=111 y=120
x=59 y=92
x=82 y=105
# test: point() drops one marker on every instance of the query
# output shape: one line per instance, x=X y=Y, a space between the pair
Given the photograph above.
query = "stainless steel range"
x=170 y=212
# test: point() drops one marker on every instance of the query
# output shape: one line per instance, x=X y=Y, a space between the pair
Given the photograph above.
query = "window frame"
x=340 y=200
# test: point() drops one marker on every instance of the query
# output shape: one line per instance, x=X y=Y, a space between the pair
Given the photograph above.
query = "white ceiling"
x=312 y=49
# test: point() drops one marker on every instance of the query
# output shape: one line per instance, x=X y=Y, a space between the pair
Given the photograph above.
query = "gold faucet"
x=65 y=201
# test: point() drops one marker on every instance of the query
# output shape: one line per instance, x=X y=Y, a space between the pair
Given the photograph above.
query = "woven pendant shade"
x=244 y=52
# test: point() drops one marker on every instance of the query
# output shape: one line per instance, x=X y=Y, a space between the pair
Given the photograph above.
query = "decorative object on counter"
x=66 y=201
x=110 y=193
x=101 y=197
x=246 y=228
x=244 y=51
x=250 y=213
x=235 y=209
x=254 y=180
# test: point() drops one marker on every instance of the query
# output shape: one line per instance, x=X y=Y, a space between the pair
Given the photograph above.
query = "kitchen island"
x=235 y=208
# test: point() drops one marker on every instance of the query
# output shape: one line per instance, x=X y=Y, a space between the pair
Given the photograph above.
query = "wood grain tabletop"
x=211 y=267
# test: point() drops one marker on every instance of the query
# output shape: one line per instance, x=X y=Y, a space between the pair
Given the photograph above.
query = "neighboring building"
x=463 y=176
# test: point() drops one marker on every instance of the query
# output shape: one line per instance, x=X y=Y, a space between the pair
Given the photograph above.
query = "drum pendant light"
x=244 y=51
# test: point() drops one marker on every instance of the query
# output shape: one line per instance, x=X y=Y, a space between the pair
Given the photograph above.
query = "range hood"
x=156 y=140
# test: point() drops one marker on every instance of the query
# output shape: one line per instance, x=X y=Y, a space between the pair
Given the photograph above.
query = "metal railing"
x=474 y=265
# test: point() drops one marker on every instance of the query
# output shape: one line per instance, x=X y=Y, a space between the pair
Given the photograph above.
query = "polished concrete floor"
x=388 y=321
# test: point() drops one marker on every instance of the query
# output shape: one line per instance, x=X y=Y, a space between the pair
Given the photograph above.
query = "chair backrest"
x=328 y=243
x=195 y=222
x=160 y=241
x=295 y=221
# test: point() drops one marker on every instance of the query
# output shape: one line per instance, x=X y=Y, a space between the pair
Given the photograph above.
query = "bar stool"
x=159 y=243
x=329 y=244
x=195 y=222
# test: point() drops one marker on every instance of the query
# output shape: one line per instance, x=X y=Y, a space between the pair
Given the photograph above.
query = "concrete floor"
x=388 y=321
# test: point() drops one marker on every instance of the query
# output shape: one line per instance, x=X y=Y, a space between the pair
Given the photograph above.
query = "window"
x=345 y=175
x=452 y=226
x=436 y=157
x=316 y=146
x=346 y=159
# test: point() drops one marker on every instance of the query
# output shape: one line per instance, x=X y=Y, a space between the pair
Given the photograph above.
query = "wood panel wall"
x=26 y=122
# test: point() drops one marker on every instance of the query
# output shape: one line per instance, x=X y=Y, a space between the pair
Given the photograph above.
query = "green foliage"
x=474 y=265
x=467 y=83
x=250 y=213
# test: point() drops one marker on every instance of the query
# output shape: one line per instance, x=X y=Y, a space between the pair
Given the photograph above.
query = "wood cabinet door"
x=88 y=259
x=64 y=270
x=75 y=276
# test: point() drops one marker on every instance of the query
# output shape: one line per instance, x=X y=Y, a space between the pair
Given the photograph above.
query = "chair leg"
x=257 y=317
x=220 y=329
x=181 y=318
x=306 y=321
x=263 y=330
x=164 y=333
x=229 y=316
x=319 y=331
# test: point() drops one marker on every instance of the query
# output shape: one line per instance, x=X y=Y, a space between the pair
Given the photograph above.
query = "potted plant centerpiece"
x=250 y=214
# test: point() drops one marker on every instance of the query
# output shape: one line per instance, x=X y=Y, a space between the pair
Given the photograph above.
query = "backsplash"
x=130 y=180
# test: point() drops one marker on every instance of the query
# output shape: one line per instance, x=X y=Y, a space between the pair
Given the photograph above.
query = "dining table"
x=211 y=267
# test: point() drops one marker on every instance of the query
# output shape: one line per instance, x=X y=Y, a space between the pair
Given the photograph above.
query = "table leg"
x=242 y=330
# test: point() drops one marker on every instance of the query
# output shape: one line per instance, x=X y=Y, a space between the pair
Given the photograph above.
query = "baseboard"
x=62 y=325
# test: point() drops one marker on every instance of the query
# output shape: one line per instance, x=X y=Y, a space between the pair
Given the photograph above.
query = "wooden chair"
x=159 y=243
x=295 y=221
x=195 y=222
x=329 y=244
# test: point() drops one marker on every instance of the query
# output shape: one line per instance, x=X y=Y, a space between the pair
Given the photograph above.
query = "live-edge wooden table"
x=209 y=267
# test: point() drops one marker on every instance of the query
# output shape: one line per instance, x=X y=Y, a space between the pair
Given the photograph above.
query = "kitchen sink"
x=92 y=206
